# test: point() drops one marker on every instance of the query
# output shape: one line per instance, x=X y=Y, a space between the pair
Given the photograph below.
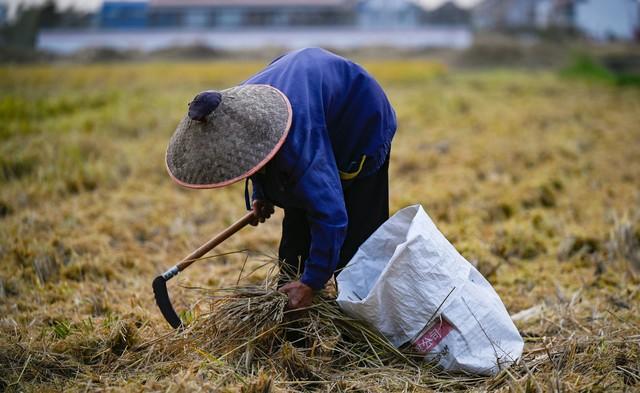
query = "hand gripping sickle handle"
x=160 y=282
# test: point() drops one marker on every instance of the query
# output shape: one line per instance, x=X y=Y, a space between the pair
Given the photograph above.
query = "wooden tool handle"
x=222 y=236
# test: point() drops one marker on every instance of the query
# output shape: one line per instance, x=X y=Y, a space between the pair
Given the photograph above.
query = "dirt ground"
x=534 y=178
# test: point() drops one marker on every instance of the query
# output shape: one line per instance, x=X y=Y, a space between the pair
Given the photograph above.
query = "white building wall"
x=65 y=42
x=603 y=19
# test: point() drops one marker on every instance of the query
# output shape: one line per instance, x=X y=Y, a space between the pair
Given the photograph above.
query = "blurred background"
x=468 y=32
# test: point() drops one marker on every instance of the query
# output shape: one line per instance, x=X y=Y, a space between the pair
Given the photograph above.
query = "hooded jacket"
x=342 y=127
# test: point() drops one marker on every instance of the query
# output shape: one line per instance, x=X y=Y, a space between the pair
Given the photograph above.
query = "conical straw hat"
x=245 y=129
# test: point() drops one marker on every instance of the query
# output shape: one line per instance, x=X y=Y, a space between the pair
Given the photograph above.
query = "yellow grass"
x=533 y=177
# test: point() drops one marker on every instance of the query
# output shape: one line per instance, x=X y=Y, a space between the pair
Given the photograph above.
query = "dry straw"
x=247 y=340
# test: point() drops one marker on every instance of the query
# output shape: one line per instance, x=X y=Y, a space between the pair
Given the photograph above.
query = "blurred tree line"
x=22 y=31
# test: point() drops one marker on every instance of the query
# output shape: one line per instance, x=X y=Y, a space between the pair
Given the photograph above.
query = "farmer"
x=312 y=131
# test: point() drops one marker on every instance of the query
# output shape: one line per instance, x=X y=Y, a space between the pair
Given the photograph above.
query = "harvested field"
x=535 y=178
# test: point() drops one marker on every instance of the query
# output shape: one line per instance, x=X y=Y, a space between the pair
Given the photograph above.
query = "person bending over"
x=312 y=132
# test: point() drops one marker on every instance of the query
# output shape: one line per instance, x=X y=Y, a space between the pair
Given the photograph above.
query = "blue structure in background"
x=123 y=15
x=223 y=14
x=238 y=14
x=3 y=14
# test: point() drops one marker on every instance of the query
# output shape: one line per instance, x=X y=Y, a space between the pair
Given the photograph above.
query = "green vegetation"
x=584 y=66
x=532 y=176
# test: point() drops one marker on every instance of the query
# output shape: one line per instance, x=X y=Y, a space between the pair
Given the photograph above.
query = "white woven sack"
x=411 y=284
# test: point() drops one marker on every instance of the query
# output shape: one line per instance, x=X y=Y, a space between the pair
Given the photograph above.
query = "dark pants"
x=367 y=203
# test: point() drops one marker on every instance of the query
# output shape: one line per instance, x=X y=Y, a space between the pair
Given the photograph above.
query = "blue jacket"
x=342 y=126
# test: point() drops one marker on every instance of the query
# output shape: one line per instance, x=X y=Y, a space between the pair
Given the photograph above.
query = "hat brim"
x=237 y=140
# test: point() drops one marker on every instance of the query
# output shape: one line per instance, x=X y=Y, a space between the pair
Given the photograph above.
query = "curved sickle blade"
x=164 y=303
x=160 y=282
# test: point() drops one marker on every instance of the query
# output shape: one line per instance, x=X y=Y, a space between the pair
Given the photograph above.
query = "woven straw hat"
x=228 y=135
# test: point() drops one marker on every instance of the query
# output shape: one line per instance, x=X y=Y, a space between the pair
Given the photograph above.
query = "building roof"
x=249 y=3
x=448 y=13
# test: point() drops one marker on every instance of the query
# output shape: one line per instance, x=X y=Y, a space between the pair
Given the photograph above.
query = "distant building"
x=257 y=24
x=598 y=19
x=504 y=14
x=230 y=14
x=248 y=13
x=238 y=14
x=448 y=14
x=123 y=15
x=389 y=13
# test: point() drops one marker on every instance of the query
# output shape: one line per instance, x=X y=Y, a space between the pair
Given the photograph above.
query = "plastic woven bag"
x=411 y=284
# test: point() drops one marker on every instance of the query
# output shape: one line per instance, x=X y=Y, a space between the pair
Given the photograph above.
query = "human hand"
x=262 y=210
x=300 y=295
